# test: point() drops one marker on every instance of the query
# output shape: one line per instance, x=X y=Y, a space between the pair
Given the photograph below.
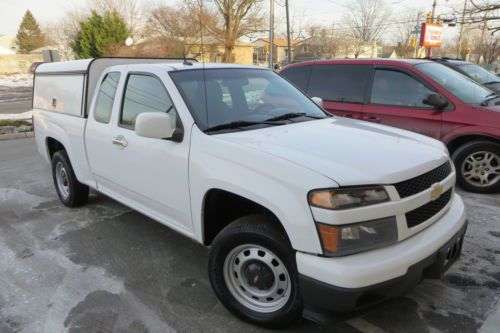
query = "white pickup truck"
x=301 y=210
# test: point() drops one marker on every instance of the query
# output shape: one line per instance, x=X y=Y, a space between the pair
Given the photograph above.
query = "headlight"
x=343 y=198
x=353 y=238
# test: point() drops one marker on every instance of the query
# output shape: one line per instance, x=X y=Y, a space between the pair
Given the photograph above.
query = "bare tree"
x=237 y=18
x=62 y=32
x=403 y=33
x=486 y=12
x=488 y=49
x=128 y=9
x=366 y=22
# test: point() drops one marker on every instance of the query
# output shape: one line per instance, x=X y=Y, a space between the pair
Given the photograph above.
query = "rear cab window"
x=105 y=97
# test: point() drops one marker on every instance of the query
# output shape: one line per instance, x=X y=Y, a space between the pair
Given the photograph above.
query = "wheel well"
x=457 y=142
x=53 y=145
x=220 y=208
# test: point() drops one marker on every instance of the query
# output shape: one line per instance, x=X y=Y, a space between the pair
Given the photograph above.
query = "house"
x=314 y=48
x=8 y=42
x=280 y=50
x=325 y=47
x=213 y=51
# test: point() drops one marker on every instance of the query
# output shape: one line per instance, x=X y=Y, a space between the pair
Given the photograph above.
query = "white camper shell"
x=67 y=87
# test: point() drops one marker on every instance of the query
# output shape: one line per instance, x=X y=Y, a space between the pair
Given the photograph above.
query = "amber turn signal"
x=329 y=237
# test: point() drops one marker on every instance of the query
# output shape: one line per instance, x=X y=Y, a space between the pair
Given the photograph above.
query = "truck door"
x=342 y=88
x=150 y=175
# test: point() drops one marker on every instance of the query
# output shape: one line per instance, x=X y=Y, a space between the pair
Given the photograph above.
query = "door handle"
x=120 y=141
x=372 y=119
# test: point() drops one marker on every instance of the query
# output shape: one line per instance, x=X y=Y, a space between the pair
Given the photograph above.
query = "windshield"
x=462 y=87
x=237 y=99
x=479 y=74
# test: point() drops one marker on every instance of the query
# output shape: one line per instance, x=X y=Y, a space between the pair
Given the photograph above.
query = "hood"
x=347 y=151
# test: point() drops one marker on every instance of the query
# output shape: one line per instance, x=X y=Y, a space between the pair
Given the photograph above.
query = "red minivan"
x=417 y=95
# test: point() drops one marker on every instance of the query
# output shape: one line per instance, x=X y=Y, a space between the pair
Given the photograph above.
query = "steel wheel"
x=62 y=180
x=481 y=169
x=257 y=278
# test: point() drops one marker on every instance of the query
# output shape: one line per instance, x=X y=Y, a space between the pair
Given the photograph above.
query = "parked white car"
x=300 y=209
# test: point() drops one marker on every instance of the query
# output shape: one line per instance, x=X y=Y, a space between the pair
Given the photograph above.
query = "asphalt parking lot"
x=105 y=268
x=15 y=99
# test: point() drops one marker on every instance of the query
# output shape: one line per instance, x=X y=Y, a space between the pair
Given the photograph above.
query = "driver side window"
x=144 y=93
x=399 y=89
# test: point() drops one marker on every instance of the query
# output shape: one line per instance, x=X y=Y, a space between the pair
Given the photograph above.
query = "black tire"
x=77 y=193
x=257 y=230
x=465 y=151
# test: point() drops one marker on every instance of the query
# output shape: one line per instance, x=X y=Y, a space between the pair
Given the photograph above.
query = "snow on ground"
x=17 y=116
x=16 y=80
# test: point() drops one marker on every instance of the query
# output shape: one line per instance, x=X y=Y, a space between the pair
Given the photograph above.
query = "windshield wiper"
x=490 y=82
x=291 y=115
x=488 y=98
x=239 y=124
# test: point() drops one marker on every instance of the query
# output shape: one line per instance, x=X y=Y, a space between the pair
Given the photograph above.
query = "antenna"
x=201 y=35
x=203 y=60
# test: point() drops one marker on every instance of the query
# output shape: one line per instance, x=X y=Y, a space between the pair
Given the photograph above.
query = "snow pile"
x=16 y=116
x=6 y=51
x=16 y=80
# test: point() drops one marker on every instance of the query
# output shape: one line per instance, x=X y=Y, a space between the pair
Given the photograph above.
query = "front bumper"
x=318 y=295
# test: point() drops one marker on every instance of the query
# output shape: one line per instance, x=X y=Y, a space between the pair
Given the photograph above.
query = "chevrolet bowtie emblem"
x=437 y=190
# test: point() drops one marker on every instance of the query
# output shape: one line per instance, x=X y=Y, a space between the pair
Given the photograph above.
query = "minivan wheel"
x=253 y=273
x=478 y=166
x=71 y=192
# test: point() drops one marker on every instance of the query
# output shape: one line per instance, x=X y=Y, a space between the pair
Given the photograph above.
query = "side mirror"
x=318 y=101
x=436 y=100
x=155 y=125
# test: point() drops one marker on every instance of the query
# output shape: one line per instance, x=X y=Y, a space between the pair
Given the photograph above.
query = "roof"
x=64 y=66
x=280 y=42
x=362 y=61
x=179 y=66
x=457 y=62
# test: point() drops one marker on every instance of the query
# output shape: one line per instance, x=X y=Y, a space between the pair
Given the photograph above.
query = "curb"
x=11 y=136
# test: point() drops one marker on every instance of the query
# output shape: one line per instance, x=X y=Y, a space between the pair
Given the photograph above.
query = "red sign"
x=431 y=34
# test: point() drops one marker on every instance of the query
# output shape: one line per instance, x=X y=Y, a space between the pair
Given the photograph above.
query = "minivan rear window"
x=298 y=75
x=339 y=83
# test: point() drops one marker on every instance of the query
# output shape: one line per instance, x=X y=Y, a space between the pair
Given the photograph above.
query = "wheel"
x=478 y=166
x=253 y=272
x=71 y=192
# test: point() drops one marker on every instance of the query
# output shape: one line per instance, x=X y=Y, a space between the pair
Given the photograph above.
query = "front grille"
x=420 y=183
x=425 y=212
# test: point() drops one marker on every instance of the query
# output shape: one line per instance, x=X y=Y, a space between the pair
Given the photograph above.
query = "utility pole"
x=481 y=46
x=429 y=49
x=289 y=43
x=271 y=37
x=461 y=31
x=417 y=26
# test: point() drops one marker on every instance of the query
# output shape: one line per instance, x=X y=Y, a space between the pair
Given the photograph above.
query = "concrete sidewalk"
x=492 y=322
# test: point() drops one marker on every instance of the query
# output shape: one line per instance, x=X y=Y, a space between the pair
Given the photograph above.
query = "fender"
x=490 y=132
x=300 y=228
x=69 y=131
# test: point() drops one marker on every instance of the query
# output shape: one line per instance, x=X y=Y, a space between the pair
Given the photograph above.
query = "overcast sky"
x=323 y=12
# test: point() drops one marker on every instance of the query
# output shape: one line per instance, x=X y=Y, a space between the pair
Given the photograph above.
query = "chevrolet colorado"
x=301 y=210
